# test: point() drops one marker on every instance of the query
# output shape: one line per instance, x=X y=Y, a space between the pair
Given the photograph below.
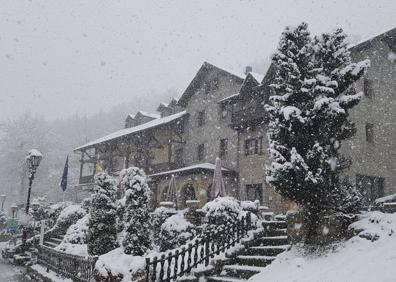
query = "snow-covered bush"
x=158 y=217
x=137 y=230
x=222 y=210
x=314 y=89
x=74 y=241
x=77 y=233
x=175 y=231
x=116 y=266
x=54 y=211
x=102 y=232
x=374 y=225
x=250 y=206
x=68 y=216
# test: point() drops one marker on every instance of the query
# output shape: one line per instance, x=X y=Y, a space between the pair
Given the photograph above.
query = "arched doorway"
x=187 y=193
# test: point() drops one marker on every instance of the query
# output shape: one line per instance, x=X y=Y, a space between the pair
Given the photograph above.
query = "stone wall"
x=377 y=158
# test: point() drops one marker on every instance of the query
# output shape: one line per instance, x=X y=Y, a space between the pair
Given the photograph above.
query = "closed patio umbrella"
x=172 y=190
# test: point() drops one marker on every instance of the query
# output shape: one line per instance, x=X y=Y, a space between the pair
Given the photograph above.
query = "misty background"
x=71 y=71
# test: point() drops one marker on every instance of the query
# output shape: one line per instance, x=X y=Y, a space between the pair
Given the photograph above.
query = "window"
x=212 y=85
x=223 y=111
x=179 y=156
x=223 y=148
x=368 y=88
x=254 y=192
x=201 y=118
x=254 y=146
x=370 y=187
x=201 y=152
x=251 y=146
x=370 y=132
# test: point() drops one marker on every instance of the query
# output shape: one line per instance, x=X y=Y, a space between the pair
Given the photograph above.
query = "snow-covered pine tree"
x=314 y=90
x=102 y=232
x=137 y=228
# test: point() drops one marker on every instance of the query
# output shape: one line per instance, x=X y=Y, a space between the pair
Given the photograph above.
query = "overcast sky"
x=62 y=57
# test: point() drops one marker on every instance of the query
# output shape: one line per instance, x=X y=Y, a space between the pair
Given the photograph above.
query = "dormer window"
x=223 y=112
x=201 y=118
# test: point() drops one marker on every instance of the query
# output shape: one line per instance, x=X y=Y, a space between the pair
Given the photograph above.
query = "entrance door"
x=370 y=187
x=254 y=192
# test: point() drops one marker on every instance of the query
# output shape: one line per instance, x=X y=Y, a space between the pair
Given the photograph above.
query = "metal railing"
x=77 y=268
x=171 y=265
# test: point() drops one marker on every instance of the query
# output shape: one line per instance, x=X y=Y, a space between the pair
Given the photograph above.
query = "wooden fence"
x=77 y=268
x=171 y=265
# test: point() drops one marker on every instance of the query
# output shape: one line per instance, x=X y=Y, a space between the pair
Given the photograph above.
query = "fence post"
x=147 y=269
x=207 y=237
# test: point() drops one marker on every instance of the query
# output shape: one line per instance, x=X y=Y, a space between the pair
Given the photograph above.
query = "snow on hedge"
x=74 y=241
x=117 y=262
x=356 y=260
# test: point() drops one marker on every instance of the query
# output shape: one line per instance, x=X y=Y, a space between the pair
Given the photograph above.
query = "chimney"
x=248 y=69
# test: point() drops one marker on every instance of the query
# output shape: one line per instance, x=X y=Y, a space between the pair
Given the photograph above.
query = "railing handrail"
x=176 y=263
x=78 y=268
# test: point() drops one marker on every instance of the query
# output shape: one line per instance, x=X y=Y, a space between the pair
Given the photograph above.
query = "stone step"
x=280 y=217
x=272 y=241
x=274 y=224
x=224 y=279
x=55 y=239
x=253 y=260
x=276 y=232
x=241 y=271
x=266 y=250
x=50 y=244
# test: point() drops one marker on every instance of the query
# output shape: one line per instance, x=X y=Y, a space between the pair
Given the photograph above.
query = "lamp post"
x=33 y=160
x=3 y=198
x=14 y=210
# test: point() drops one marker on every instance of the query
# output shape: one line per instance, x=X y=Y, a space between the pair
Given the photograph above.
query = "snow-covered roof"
x=147 y=114
x=205 y=166
x=201 y=74
x=131 y=130
x=257 y=76
x=371 y=38
x=228 y=98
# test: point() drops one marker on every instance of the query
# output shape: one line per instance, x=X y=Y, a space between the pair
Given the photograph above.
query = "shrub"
x=175 y=231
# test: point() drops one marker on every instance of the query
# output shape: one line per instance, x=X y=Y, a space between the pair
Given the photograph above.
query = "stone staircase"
x=53 y=241
x=256 y=254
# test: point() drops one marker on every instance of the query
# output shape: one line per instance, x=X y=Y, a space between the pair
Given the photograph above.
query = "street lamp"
x=3 y=198
x=14 y=210
x=33 y=160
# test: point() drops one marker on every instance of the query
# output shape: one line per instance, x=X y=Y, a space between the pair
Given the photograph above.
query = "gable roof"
x=129 y=131
x=147 y=114
x=388 y=36
x=199 y=77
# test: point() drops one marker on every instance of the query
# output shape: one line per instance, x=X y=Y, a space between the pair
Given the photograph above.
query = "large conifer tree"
x=102 y=231
x=137 y=229
x=314 y=90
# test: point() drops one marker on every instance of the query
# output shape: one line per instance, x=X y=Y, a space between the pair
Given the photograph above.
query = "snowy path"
x=8 y=272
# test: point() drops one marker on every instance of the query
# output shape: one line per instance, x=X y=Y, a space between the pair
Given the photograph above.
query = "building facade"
x=221 y=114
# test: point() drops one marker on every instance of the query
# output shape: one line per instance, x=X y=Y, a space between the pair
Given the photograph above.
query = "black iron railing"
x=77 y=268
x=171 y=265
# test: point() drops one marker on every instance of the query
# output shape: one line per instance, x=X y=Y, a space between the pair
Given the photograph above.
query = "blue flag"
x=63 y=183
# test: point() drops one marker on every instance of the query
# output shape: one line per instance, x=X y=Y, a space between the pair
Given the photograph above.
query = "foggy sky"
x=62 y=57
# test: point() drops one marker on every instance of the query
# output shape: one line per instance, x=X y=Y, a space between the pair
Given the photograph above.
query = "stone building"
x=373 y=148
x=221 y=114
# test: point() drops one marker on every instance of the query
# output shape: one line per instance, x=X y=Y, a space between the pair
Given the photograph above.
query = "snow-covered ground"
x=357 y=259
x=8 y=272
